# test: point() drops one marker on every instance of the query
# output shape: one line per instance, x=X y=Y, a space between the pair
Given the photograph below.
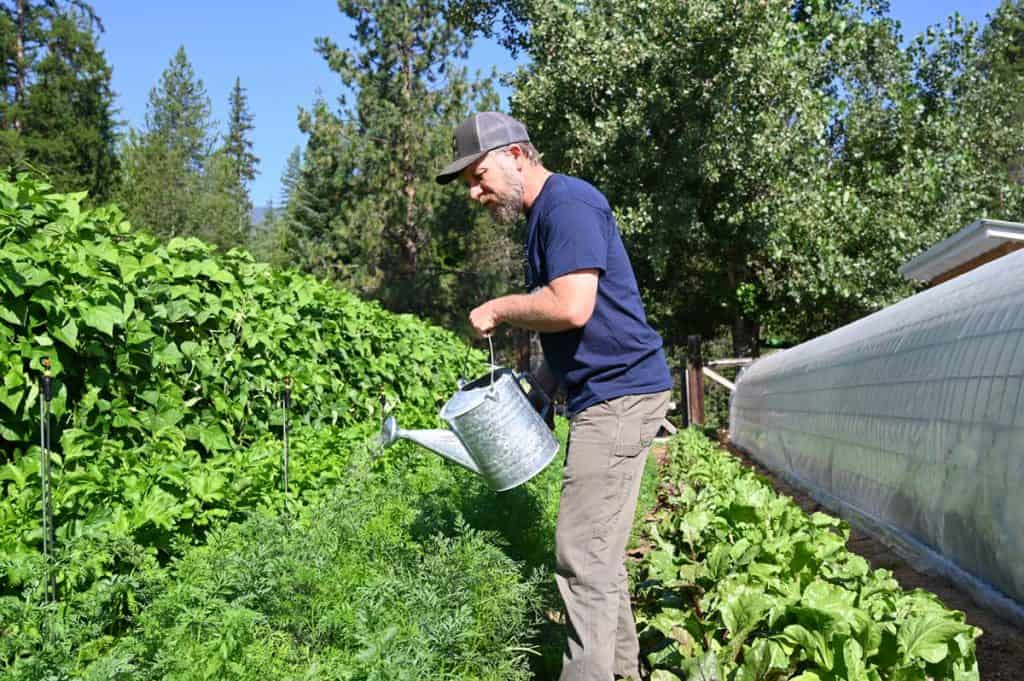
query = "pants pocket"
x=640 y=424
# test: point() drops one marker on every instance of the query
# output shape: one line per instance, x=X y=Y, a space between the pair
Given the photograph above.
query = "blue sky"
x=270 y=47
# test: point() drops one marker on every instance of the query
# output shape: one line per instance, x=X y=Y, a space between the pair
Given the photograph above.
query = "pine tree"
x=237 y=145
x=238 y=169
x=56 y=101
x=165 y=181
x=224 y=211
x=366 y=208
x=275 y=239
x=313 y=204
x=157 y=192
x=178 y=112
x=290 y=176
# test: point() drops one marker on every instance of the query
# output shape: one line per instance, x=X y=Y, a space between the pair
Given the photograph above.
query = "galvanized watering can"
x=496 y=432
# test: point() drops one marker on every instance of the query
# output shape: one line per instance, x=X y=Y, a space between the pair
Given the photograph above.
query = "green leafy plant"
x=168 y=365
x=376 y=575
x=145 y=337
x=344 y=590
x=743 y=585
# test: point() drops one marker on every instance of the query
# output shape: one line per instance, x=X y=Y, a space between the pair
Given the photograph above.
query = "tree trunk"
x=745 y=337
x=19 y=63
x=411 y=238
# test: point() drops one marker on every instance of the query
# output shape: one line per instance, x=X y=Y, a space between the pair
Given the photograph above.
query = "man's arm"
x=565 y=303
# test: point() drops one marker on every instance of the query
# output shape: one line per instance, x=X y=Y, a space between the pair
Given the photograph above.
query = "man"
x=584 y=301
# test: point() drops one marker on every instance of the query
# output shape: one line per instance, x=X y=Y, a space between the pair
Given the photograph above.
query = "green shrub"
x=168 y=366
x=146 y=337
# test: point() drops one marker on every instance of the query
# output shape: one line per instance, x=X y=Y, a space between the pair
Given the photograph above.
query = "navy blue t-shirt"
x=570 y=227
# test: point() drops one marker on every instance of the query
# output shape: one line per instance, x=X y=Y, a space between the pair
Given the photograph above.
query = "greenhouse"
x=911 y=421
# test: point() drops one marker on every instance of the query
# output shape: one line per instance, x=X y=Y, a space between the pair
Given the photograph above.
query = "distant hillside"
x=259 y=213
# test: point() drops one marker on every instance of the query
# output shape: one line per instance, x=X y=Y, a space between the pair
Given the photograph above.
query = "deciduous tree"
x=773 y=163
x=1003 y=43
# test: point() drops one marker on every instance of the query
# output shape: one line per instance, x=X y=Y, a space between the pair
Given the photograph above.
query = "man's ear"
x=518 y=156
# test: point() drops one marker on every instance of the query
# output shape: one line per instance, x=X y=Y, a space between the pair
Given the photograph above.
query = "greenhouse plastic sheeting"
x=911 y=421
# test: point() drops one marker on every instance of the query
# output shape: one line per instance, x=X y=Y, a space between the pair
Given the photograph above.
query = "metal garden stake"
x=286 y=403
x=45 y=396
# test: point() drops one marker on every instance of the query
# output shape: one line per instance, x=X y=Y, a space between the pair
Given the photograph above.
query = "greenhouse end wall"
x=912 y=420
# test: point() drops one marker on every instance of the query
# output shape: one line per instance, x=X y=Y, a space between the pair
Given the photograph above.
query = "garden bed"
x=740 y=583
x=1000 y=649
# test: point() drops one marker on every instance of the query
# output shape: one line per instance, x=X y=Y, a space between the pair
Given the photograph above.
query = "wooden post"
x=684 y=390
x=695 y=380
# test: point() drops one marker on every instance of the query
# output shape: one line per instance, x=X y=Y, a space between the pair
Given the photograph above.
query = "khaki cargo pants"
x=608 y=445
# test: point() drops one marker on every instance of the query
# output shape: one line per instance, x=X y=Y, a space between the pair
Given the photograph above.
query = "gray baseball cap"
x=479 y=134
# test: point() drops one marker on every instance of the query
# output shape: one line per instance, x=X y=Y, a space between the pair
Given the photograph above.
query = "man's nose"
x=475 y=191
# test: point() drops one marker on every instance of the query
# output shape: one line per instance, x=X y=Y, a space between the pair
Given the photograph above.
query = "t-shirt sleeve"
x=575 y=239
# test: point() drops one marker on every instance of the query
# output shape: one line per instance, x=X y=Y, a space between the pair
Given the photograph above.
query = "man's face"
x=495 y=182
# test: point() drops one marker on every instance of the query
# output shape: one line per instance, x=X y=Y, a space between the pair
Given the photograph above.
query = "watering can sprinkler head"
x=389 y=432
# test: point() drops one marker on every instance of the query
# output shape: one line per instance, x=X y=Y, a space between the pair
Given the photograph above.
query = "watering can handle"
x=543 y=404
x=490 y=344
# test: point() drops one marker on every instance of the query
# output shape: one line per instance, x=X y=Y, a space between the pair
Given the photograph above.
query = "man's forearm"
x=537 y=311
x=565 y=303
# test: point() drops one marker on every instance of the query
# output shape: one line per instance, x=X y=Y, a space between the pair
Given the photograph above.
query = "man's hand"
x=484 y=319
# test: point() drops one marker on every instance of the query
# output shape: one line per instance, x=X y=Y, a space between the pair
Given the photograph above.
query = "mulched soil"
x=1000 y=648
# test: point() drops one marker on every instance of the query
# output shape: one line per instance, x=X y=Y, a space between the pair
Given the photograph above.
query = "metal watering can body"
x=495 y=431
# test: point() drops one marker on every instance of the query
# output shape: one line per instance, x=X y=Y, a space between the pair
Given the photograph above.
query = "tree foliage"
x=234 y=169
x=273 y=240
x=178 y=180
x=365 y=209
x=1003 y=42
x=237 y=142
x=179 y=112
x=771 y=163
x=56 y=102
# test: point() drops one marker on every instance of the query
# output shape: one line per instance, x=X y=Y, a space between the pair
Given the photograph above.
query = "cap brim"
x=452 y=170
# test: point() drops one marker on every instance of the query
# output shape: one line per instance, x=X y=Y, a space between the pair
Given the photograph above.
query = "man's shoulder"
x=564 y=191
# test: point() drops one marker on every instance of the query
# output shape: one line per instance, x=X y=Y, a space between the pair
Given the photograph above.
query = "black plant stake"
x=45 y=395
x=286 y=404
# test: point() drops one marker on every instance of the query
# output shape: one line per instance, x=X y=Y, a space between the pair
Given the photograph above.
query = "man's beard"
x=506 y=209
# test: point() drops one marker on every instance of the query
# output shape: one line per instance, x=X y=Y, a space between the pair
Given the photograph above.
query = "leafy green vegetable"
x=769 y=592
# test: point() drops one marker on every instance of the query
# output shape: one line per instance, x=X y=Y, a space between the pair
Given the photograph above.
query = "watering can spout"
x=443 y=442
